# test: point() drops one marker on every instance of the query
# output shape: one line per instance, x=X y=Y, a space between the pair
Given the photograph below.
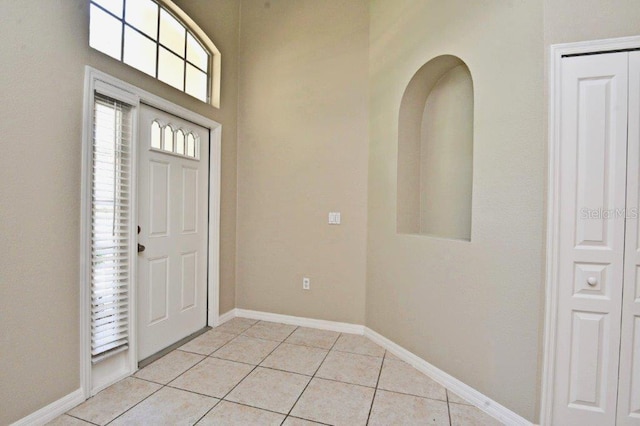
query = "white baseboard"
x=53 y=410
x=226 y=317
x=466 y=392
x=474 y=397
x=340 y=327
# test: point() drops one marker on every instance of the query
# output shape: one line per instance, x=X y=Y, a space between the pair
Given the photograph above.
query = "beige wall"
x=220 y=20
x=320 y=88
x=302 y=152
x=44 y=48
x=446 y=157
x=568 y=21
x=470 y=308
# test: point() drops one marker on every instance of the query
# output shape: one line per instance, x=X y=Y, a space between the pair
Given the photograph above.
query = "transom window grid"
x=146 y=36
x=172 y=140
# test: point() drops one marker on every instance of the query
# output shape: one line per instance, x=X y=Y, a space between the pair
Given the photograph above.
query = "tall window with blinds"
x=110 y=227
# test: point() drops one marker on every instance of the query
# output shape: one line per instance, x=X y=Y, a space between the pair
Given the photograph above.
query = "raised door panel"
x=189 y=288
x=587 y=364
x=159 y=173
x=591 y=241
x=189 y=199
x=595 y=185
x=158 y=290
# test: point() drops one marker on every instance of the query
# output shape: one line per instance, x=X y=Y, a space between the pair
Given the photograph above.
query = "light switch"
x=334 y=218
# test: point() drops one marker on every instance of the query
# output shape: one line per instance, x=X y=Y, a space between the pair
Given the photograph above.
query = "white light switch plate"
x=334 y=218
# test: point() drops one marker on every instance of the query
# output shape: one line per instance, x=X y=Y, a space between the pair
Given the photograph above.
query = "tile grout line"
x=446 y=393
x=209 y=354
x=307 y=420
x=311 y=379
x=247 y=375
x=233 y=332
x=188 y=369
x=164 y=385
x=285 y=371
x=264 y=358
x=193 y=392
x=81 y=419
x=231 y=360
x=359 y=353
x=310 y=345
x=353 y=380
x=345 y=383
x=375 y=391
x=240 y=403
x=241 y=380
x=138 y=403
x=170 y=385
x=384 y=358
x=144 y=380
x=280 y=343
x=413 y=395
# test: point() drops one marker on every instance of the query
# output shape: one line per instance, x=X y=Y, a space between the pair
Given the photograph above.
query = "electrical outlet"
x=306 y=283
x=334 y=218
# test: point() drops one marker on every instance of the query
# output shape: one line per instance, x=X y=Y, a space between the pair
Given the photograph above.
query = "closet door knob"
x=592 y=281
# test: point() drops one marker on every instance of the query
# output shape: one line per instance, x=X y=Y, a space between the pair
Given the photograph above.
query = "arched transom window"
x=173 y=140
x=157 y=38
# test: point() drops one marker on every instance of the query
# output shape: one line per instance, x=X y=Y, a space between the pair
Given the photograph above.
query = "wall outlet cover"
x=334 y=218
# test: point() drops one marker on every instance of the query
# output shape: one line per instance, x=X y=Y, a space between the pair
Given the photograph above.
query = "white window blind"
x=110 y=227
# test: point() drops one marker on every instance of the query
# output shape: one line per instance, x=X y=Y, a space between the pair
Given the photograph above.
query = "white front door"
x=172 y=215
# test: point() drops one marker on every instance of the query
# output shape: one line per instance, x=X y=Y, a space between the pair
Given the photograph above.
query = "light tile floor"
x=248 y=372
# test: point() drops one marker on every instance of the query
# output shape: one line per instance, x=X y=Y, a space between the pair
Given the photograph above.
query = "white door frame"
x=95 y=79
x=557 y=51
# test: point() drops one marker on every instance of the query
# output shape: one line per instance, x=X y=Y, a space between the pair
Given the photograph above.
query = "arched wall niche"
x=435 y=151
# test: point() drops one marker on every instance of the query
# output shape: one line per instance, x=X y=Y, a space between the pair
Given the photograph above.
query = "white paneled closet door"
x=597 y=360
x=593 y=158
x=629 y=388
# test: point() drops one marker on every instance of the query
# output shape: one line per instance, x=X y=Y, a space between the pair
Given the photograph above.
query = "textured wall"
x=220 y=20
x=320 y=91
x=471 y=309
x=302 y=152
x=567 y=21
x=44 y=48
x=446 y=157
